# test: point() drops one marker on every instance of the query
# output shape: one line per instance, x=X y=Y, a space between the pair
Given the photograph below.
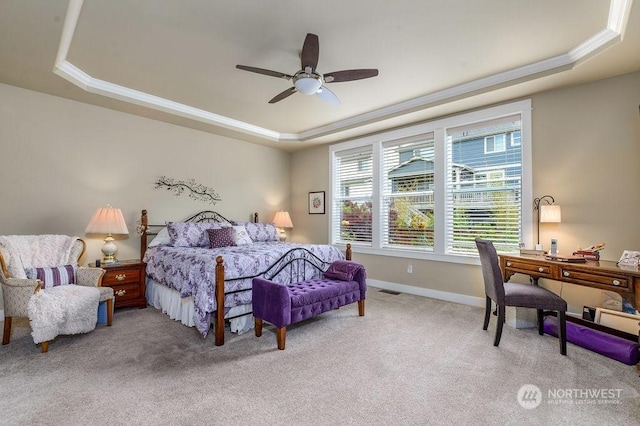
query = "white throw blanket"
x=36 y=251
x=66 y=309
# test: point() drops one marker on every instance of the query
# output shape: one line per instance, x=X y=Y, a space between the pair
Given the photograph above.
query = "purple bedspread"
x=191 y=271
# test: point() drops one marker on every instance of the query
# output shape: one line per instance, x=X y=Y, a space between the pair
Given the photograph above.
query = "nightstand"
x=127 y=278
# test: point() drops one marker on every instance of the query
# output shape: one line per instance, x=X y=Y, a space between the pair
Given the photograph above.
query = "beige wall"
x=62 y=159
x=586 y=154
x=310 y=173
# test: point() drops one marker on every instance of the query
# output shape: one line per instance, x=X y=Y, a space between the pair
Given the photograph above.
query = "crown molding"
x=619 y=11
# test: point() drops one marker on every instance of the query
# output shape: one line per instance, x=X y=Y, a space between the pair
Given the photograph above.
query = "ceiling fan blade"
x=328 y=96
x=310 y=52
x=349 y=75
x=290 y=91
x=265 y=72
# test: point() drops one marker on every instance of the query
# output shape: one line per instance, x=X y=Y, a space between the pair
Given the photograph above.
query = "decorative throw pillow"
x=221 y=237
x=188 y=234
x=262 y=232
x=53 y=276
x=344 y=270
x=241 y=236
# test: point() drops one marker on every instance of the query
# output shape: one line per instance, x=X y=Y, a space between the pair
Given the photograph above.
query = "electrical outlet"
x=409 y=269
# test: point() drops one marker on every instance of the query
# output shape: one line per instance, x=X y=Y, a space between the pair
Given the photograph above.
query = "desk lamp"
x=547 y=213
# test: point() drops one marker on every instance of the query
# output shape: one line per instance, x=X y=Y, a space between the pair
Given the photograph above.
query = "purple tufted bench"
x=342 y=284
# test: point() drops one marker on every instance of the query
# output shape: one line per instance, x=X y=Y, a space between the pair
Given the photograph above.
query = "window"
x=407 y=192
x=487 y=202
x=494 y=143
x=515 y=138
x=352 y=196
x=429 y=190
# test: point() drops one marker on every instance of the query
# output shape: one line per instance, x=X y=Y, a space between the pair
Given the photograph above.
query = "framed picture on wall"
x=316 y=202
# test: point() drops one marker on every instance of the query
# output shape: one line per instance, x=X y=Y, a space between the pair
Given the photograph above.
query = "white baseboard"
x=426 y=292
x=516 y=317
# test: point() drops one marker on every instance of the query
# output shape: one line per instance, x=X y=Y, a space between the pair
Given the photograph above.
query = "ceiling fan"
x=308 y=81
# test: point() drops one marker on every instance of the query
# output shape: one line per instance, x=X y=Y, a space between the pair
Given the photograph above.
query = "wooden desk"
x=603 y=274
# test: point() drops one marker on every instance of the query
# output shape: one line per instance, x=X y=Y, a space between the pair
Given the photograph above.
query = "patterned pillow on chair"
x=54 y=276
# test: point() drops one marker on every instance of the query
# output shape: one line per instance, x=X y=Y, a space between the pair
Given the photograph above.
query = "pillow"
x=161 y=239
x=53 y=276
x=260 y=232
x=344 y=270
x=221 y=237
x=188 y=234
x=241 y=236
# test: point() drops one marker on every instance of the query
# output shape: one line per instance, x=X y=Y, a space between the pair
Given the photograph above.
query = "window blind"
x=407 y=193
x=352 y=207
x=483 y=186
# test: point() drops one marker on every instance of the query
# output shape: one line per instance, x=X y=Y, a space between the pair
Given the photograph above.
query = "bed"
x=188 y=280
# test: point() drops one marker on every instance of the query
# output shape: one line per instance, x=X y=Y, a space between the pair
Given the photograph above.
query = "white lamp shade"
x=550 y=214
x=107 y=220
x=282 y=220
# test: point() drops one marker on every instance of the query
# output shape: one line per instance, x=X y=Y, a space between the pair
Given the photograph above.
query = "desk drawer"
x=592 y=279
x=531 y=269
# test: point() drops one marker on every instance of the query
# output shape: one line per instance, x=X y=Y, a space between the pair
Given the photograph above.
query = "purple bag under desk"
x=615 y=347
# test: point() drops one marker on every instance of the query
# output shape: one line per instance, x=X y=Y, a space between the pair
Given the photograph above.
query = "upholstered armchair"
x=17 y=290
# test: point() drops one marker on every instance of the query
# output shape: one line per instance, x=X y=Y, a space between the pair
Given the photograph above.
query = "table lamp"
x=282 y=220
x=547 y=213
x=109 y=221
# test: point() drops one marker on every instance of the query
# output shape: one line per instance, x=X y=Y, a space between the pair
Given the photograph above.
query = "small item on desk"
x=554 y=246
x=532 y=252
x=565 y=258
x=587 y=254
x=598 y=247
x=630 y=258
x=591 y=252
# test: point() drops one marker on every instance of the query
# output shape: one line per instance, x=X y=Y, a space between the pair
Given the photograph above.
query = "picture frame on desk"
x=629 y=258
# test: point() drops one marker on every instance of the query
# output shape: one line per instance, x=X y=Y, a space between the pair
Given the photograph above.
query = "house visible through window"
x=407 y=193
x=515 y=138
x=494 y=143
x=435 y=187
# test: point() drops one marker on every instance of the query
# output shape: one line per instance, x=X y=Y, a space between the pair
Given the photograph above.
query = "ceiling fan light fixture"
x=308 y=81
x=307 y=85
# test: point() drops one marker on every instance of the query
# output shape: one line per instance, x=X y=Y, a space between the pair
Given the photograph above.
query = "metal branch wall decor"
x=196 y=190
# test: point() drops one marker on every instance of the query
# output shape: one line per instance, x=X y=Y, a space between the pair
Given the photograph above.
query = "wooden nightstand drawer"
x=121 y=276
x=127 y=278
x=126 y=292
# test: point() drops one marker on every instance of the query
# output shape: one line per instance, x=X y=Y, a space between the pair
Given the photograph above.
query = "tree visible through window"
x=352 y=202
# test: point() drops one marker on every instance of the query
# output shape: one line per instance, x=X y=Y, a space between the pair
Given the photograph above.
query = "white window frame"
x=438 y=128
x=503 y=148
x=516 y=141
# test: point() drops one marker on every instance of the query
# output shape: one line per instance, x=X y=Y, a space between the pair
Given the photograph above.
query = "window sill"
x=412 y=254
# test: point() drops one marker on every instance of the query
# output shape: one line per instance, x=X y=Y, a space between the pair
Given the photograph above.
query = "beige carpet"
x=410 y=360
